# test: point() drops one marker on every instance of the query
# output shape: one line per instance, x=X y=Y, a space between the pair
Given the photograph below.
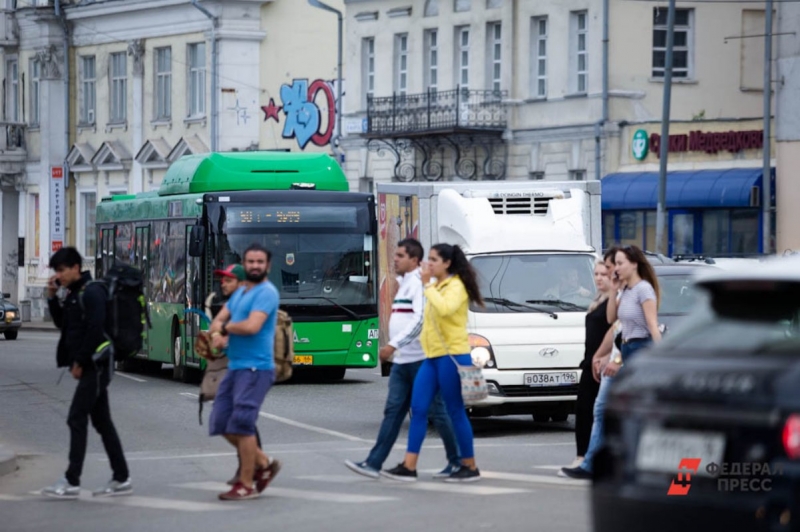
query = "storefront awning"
x=728 y=188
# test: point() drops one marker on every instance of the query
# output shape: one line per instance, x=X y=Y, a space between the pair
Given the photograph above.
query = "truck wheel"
x=11 y=335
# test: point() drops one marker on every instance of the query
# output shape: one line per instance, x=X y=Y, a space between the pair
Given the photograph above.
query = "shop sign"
x=699 y=141
x=57 y=211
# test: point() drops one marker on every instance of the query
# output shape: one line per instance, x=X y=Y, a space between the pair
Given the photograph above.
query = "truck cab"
x=533 y=247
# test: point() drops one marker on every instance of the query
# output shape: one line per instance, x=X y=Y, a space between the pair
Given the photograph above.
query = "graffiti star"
x=271 y=110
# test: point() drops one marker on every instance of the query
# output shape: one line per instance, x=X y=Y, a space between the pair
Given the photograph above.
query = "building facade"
x=787 y=124
x=148 y=82
x=505 y=89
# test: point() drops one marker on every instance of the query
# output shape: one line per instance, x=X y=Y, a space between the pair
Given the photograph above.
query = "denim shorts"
x=238 y=400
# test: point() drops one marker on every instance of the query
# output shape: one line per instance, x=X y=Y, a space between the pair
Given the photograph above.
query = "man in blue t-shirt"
x=248 y=319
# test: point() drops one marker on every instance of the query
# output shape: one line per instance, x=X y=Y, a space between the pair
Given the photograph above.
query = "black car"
x=678 y=292
x=10 y=319
x=703 y=429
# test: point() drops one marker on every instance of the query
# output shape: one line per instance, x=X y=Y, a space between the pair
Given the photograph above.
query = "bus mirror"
x=197 y=241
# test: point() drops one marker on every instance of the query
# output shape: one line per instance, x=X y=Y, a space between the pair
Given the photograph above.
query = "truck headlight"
x=481 y=352
x=11 y=315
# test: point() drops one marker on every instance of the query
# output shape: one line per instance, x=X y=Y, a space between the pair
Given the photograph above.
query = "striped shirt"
x=405 y=323
x=630 y=312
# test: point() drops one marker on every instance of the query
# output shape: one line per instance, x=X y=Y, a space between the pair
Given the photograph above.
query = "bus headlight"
x=481 y=352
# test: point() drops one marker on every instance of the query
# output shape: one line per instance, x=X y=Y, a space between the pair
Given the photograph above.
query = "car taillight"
x=791 y=436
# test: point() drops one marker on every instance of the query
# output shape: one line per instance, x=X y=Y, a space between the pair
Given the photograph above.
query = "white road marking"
x=12 y=498
x=131 y=377
x=551 y=467
x=461 y=489
x=300 y=425
x=535 y=479
x=162 y=504
x=313 y=428
x=290 y=493
x=175 y=457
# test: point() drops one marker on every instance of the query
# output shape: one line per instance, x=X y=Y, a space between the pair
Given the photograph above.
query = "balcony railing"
x=437 y=111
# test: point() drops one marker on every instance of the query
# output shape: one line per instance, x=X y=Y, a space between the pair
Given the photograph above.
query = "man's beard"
x=256 y=277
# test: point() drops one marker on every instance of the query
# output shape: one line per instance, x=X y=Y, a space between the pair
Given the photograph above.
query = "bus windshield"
x=322 y=257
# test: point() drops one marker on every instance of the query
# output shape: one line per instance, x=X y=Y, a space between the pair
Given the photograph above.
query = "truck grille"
x=2 y=314
x=529 y=206
x=529 y=391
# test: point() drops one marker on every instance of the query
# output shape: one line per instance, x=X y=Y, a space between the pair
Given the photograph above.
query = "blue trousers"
x=596 y=440
x=398 y=403
x=435 y=375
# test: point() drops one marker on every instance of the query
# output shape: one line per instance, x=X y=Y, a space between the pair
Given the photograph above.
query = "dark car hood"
x=7 y=305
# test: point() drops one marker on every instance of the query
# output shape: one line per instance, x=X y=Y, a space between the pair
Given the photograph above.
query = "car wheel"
x=11 y=335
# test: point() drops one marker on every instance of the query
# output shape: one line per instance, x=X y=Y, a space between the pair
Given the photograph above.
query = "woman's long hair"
x=459 y=265
x=643 y=268
x=600 y=297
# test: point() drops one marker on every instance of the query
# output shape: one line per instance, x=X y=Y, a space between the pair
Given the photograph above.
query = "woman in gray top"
x=637 y=312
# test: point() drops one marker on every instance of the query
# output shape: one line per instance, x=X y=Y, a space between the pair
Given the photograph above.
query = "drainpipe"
x=336 y=139
x=598 y=127
x=63 y=18
x=214 y=75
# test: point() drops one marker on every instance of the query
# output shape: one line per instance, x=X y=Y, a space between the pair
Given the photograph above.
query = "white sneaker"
x=62 y=490
x=575 y=463
x=114 y=489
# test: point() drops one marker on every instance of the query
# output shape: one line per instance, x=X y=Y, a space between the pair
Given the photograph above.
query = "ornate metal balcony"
x=440 y=135
x=451 y=111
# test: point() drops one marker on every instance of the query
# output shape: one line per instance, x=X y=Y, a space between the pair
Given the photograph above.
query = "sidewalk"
x=8 y=461
x=38 y=325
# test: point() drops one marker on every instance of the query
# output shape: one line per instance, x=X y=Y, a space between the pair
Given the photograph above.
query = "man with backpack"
x=86 y=350
x=248 y=319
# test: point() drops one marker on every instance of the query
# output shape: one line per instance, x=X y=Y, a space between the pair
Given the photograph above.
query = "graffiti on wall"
x=309 y=110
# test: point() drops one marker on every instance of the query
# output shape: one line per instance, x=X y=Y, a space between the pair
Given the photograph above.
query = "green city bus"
x=208 y=210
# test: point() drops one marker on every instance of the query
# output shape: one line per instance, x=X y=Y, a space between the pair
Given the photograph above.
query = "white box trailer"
x=533 y=245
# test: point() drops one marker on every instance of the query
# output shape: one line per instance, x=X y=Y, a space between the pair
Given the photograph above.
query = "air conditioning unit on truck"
x=533 y=245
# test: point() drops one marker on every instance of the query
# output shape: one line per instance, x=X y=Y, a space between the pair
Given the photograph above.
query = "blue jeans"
x=596 y=439
x=435 y=375
x=398 y=403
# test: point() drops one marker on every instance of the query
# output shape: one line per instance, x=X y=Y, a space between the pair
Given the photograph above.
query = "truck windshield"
x=322 y=260
x=558 y=282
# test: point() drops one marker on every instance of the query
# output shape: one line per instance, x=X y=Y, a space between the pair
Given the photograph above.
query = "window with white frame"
x=462 y=57
x=36 y=76
x=401 y=64
x=197 y=79
x=88 y=89
x=682 y=43
x=539 y=57
x=579 y=25
x=119 y=88
x=368 y=68
x=163 y=80
x=462 y=5
x=494 y=55
x=432 y=60
x=88 y=229
x=12 y=80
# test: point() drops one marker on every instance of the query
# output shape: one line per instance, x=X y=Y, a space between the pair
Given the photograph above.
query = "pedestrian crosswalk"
x=340 y=489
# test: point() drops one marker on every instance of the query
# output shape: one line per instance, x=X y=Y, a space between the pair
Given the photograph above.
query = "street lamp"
x=335 y=141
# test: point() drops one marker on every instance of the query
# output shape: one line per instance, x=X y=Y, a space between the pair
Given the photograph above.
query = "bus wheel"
x=179 y=371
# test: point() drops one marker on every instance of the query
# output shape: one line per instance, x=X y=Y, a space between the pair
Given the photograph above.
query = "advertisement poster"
x=57 y=208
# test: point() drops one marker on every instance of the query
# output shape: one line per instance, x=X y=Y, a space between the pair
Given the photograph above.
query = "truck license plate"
x=560 y=378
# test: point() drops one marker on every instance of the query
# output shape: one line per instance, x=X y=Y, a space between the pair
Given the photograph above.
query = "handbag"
x=216 y=368
x=473 y=384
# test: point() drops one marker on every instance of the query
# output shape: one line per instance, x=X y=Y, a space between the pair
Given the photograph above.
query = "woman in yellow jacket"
x=444 y=340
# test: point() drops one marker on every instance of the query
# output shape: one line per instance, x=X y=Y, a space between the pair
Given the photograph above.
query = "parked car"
x=703 y=429
x=10 y=318
x=678 y=293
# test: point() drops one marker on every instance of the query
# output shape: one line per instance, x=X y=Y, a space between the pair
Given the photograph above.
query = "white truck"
x=533 y=245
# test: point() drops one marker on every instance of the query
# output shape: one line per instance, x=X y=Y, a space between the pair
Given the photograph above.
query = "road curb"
x=38 y=327
x=8 y=461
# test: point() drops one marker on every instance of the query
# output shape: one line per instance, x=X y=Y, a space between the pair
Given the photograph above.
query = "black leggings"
x=584 y=413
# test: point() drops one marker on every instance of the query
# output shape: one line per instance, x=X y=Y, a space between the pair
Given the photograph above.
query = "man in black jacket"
x=81 y=317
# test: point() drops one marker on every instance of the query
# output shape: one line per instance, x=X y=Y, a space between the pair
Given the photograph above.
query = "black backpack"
x=126 y=309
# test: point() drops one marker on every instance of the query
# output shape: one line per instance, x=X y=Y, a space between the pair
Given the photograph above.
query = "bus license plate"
x=303 y=360
x=561 y=378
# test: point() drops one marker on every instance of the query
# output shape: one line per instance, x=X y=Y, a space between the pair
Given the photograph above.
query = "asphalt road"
x=178 y=470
